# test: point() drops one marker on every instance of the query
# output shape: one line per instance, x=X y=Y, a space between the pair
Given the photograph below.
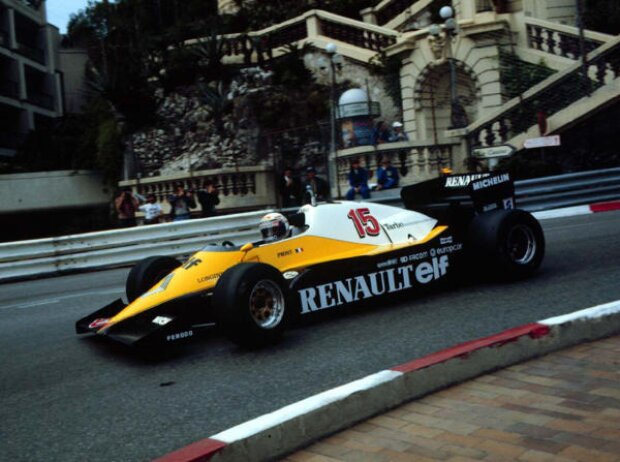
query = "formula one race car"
x=328 y=256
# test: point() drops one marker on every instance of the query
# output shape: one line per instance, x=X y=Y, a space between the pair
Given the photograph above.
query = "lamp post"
x=335 y=62
x=458 y=116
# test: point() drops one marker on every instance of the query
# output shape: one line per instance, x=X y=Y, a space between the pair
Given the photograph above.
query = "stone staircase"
x=565 y=97
x=557 y=44
x=356 y=40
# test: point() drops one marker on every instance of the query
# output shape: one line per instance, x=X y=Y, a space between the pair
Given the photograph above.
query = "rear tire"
x=147 y=273
x=252 y=304
x=509 y=243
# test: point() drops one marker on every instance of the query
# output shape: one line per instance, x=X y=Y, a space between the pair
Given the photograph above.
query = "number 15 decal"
x=364 y=222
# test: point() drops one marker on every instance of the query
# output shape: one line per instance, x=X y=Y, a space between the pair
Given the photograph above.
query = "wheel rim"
x=521 y=244
x=267 y=304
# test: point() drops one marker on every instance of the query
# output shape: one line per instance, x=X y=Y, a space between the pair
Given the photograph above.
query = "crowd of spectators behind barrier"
x=358 y=181
x=383 y=134
x=294 y=191
x=127 y=204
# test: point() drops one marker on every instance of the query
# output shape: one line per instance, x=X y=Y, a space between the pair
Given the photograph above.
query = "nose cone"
x=198 y=274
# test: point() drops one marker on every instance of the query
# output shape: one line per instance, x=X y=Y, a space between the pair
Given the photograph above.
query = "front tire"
x=509 y=243
x=253 y=304
x=146 y=273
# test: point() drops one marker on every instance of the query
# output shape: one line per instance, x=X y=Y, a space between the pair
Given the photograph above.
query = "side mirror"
x=246 y=247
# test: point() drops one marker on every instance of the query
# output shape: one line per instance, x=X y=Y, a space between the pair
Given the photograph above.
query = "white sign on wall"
x=542 y=142
x=504 y=150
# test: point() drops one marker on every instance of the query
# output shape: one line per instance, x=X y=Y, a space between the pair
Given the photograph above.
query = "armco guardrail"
x=126 y=246
x=216 y=227
x=571 y=189
x=555 y=191
x=122 y=246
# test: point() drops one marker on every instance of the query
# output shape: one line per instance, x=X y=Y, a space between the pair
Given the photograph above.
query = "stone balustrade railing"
x=355 y=35
x=252 y=188
x=416 y=161
x=314 y=26
x=561 y=40
x=387 y=11
x=262 y=46
x=244 y=188
x=402 y=13
x=550 y=96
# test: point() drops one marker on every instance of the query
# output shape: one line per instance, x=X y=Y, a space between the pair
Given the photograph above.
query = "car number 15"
x=365 y=224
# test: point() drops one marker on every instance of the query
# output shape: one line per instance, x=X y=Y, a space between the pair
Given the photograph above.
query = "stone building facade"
x=30 y=76
x=454 y=81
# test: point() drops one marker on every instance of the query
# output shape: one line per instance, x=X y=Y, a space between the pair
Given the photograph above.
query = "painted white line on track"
x=51 y=301
x=18 y=306
x=39 y=303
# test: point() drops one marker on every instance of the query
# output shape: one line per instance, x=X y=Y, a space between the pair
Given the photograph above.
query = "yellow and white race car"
x=323 y=258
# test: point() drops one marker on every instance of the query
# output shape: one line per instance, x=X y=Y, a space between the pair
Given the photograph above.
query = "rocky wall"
x=187 y=137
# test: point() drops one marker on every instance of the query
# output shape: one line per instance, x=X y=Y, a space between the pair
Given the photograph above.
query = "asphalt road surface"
x=70 y=398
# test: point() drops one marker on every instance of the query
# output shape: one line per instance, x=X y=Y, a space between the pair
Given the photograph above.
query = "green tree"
x=130 y=44
x=517 y=76
x=389 y=69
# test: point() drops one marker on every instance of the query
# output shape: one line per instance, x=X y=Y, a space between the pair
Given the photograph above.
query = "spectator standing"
x=126 y=206
x=387 y=175
x=289 y=189
x=316 y=184
x=208 y=198
x=358 y=180
x=397 y=133
x=381 y=133
x=180 y=203
x=152 y=210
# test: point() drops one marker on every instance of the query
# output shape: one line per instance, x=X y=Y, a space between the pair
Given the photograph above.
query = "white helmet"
x=274 y=226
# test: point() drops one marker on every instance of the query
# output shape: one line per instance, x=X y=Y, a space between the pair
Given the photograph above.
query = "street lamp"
x=335 y=63
x=458 y=116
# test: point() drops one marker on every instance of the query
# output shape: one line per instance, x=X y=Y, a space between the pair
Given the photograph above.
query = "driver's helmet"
x=274 y=226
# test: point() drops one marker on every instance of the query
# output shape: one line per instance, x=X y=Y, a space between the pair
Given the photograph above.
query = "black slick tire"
x=508 y=244
x=146 y=273
x=252 y=304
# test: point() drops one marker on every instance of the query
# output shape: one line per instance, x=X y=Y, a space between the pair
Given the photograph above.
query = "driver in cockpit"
x=274 y=226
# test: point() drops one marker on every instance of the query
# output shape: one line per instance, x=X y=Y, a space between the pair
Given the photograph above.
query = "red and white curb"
x=291 y=427
x=577 y=210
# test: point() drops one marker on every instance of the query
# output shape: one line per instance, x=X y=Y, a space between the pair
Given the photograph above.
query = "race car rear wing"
x=460 y=196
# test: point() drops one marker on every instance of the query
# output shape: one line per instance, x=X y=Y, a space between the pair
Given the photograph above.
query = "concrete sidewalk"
x=564 y=406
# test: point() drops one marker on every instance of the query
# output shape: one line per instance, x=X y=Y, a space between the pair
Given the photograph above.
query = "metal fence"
x=122 y=246
x=571 y=189
x=125 y=246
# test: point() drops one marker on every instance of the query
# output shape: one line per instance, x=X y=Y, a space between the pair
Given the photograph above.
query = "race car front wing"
x=172 y=321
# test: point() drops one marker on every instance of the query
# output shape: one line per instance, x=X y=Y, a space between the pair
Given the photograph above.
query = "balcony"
x=41 y=99
x=4 y=39
x=9 y=88
x=36 y=54
x=33 y=4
